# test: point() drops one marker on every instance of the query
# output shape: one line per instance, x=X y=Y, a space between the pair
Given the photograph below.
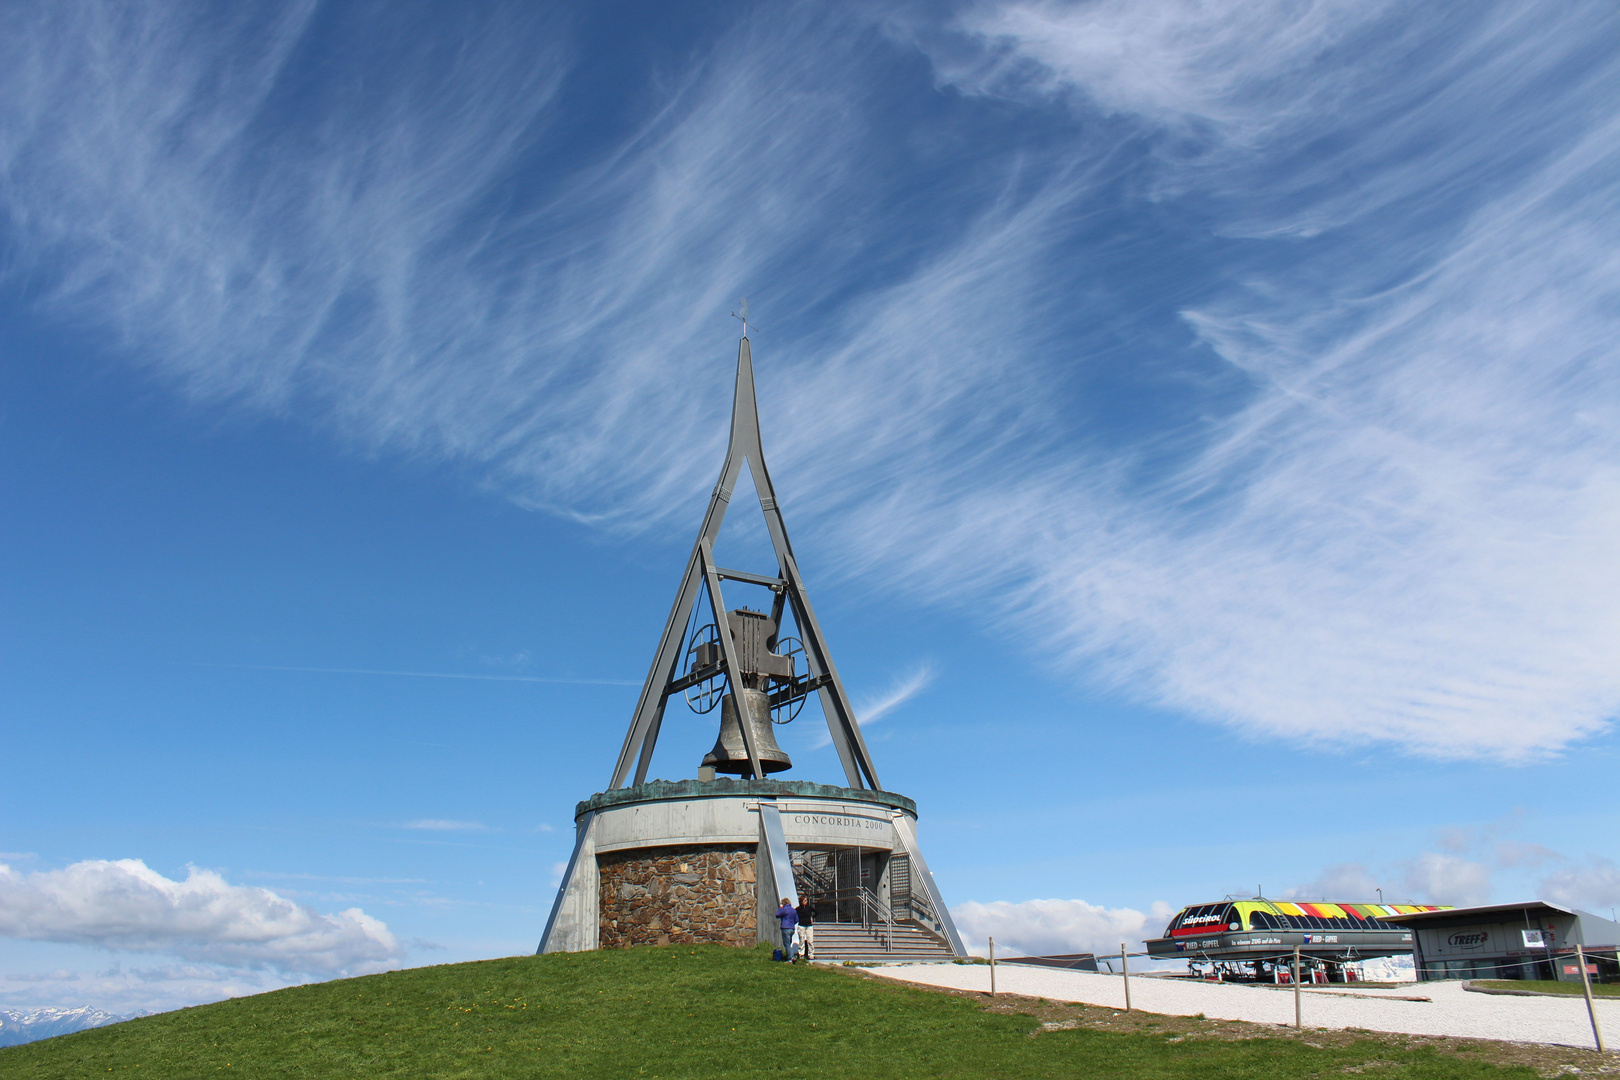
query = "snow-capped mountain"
x=31 y=1024
x=1388 y=969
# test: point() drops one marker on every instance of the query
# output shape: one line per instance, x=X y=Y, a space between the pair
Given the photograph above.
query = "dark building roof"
x=1531 y=907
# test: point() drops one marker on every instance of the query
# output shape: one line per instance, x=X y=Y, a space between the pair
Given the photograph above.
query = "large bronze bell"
x=730 y=755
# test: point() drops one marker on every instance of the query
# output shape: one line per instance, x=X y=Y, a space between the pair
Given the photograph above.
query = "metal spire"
x=701 y=571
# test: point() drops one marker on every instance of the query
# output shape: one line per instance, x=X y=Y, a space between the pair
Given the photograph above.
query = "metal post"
x=992 y=967
x=1125 y=969
x=1297 y=1023
x=1586 y=984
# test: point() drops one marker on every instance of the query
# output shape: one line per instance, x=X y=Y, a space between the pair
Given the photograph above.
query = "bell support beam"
x=778 y=602
x=841 y=722
x=747 y=578
x=744 y=447
x=728 y=649
x=649 y=715
x=644 y=760
x=643 y=734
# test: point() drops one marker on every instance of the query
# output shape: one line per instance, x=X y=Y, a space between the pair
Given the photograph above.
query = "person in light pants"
x=805 y=935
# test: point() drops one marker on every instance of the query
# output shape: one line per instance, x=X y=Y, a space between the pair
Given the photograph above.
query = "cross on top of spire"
x=741 y=314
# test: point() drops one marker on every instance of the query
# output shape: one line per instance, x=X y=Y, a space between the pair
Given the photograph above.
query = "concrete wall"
x=735 y=820
x=573 y=926
x=644 y=838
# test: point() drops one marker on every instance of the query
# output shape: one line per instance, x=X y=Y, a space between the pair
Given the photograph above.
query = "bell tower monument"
x=709 y=859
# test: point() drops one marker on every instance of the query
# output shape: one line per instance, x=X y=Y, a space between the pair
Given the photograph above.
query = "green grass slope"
x=675 y=1012
x=1548 y=986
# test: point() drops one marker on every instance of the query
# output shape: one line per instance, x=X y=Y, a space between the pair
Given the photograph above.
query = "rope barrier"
x=1286 y=958
x=1551 y=959
x=1274 y=958
x=1294 y=959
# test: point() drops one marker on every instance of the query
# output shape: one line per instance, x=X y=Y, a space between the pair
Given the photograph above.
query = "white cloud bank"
x=136 y=989
x=126 y=906
x=1448 y=879
x=1046 y=927
x=1465 y=872
x=1594 y=886
x=1342 y=881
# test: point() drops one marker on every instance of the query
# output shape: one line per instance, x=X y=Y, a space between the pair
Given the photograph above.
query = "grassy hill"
x=706 y=1011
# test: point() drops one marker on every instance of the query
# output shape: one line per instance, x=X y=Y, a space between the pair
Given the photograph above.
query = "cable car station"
x=1254 y=940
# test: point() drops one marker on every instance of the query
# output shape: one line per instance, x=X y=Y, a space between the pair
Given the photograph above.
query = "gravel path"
x=1451 y=1010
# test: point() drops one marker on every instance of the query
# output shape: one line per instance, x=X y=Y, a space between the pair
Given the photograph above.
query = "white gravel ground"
x=1451 y=1010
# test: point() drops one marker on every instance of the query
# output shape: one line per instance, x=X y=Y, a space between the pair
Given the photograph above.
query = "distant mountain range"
x=31 y=1024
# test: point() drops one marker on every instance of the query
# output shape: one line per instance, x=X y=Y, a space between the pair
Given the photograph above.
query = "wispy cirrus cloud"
x=1399 y=533
x=1265 y=373
x=446 y=825
x=559 y=679
x=905 y=687
x=872 y=709
x=297 y=876
x=1235 y=67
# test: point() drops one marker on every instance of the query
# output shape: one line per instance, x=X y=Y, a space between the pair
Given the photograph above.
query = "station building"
x=1535 y=939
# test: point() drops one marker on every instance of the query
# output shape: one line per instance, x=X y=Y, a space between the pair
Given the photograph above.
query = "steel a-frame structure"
x=702 y=574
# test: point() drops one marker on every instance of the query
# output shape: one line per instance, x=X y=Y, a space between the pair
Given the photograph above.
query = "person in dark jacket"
x=789 y=918
x=807 y=927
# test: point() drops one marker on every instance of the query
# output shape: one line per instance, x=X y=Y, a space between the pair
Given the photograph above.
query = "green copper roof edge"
x=723 y=787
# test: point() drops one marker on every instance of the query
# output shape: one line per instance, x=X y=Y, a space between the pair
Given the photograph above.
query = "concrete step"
x=837 y=942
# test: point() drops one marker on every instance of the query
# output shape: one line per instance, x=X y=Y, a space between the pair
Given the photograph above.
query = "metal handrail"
x=810 y=879
x=870 y=906
x=920 y=906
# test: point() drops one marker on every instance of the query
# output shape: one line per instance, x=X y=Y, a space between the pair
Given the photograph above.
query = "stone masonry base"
x=667 y=896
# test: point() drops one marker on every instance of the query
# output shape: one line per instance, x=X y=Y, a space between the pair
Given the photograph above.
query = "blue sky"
x=1197 y=423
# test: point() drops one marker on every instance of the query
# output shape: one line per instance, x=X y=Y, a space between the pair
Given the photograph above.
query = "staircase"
x=837 y=942
x=814 y=873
